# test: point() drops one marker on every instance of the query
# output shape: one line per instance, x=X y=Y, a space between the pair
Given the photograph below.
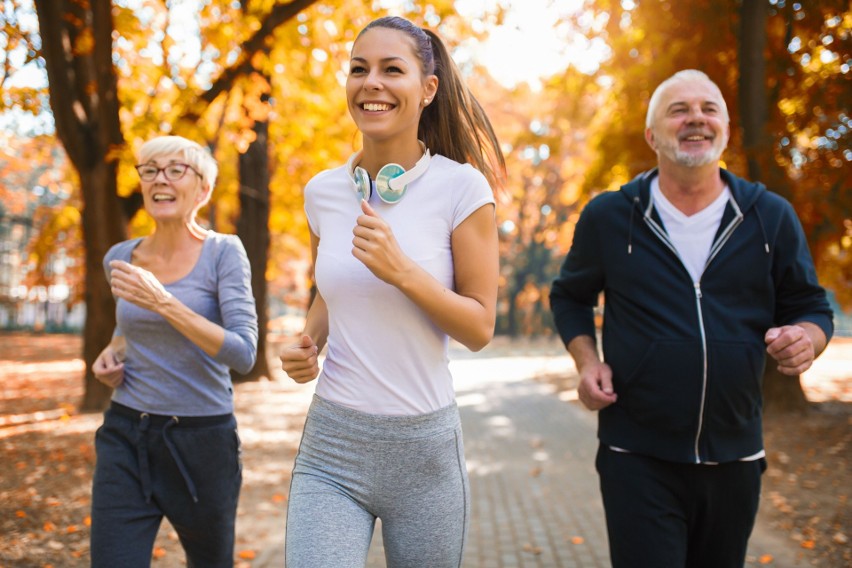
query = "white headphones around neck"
x=391 y=181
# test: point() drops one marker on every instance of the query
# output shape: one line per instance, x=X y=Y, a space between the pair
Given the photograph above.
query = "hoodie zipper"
x=697 y=286
x=717 y=245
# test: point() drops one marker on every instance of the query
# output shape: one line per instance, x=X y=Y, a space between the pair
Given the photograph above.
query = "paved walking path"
x=530 y=457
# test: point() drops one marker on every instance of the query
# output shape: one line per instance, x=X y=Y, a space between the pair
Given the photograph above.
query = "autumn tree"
x=36 y=199
x=543 y=135
x=770 y=119
x=76 y=43
x=77 y=48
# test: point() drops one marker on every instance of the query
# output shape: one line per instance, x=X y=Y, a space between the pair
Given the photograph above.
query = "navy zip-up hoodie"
x=687 y=357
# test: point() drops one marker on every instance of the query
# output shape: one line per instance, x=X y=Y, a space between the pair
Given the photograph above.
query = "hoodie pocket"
x=734 y=385
x=664 y=390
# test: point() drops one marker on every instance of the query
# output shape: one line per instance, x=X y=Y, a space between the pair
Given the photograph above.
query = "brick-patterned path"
x=530 y=457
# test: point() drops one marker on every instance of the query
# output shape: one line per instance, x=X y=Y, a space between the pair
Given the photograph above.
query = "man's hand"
x=792 y=347
x=595 y=390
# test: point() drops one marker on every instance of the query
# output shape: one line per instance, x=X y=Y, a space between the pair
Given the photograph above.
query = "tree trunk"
x=752 y=85
x=780 y=392
x=77 y=49
x=512 y=316
x=253 y=230
x=103 y=225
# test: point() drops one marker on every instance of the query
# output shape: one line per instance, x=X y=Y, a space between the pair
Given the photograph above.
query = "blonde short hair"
x=195 y=155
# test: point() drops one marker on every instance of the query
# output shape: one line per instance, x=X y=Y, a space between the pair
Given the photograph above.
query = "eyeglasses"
x=173 y=172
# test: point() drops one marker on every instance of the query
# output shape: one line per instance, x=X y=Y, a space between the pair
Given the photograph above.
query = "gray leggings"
x=353 y=467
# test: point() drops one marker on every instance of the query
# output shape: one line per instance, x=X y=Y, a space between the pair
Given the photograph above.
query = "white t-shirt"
x=692 y=235
x=385 y=356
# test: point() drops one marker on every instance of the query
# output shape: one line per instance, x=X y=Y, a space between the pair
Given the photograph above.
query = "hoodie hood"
x=744 y=193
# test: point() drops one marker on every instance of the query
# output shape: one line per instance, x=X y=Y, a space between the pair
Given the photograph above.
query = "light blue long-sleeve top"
x=164 y=372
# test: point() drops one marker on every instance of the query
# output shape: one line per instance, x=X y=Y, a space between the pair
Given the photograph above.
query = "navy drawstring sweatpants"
x=151 y=466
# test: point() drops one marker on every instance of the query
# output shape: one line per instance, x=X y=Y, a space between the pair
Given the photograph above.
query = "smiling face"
x=386 y=89
x=690 y=127
x=173 y=199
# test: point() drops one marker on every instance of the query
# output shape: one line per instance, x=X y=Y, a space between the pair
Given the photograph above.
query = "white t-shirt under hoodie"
x=385 y=356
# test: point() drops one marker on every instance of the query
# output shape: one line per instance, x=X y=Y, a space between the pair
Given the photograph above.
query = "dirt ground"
x=47 y=461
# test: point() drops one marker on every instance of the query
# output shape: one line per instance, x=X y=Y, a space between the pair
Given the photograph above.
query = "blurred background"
x=260 y=83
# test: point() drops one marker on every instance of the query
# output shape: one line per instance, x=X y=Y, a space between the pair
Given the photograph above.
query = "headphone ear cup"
x=363 y=184
x=383 y=187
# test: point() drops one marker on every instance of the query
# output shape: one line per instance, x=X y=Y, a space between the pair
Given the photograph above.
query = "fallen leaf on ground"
x=536 y=550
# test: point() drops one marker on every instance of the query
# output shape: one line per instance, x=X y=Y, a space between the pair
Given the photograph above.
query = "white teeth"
x=376 y=106
x=695 y=138
x=162 y=197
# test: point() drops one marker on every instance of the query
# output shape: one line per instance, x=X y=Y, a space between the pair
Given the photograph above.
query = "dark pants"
x=148 y=467
x=670 y=515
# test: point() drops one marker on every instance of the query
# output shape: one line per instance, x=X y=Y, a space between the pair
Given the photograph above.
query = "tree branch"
x=279 y=15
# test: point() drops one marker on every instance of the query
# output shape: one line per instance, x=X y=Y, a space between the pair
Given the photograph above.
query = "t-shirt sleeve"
x=472 y=193
x=311 y=213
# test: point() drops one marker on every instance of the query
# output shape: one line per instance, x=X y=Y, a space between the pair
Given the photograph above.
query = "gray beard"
x=697 y=160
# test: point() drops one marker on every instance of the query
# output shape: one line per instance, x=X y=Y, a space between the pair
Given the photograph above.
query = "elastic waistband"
x=159 y=420
x=384 y=427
